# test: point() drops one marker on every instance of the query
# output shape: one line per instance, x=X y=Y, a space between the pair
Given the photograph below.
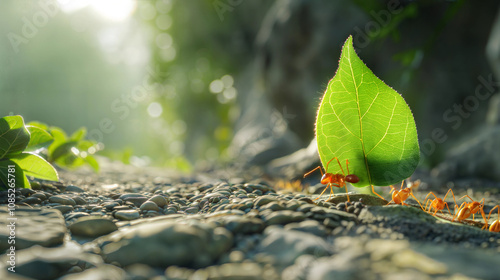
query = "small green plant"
x=16 y=159
x=363 y=120
x=68 y=151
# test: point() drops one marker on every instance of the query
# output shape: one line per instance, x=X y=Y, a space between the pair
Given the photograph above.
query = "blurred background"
x=197 y=83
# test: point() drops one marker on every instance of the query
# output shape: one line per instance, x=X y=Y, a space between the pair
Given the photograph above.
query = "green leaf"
x=63 y=150
x=39 y=125
x=90 y=160
x=79 y=134
x=39 y=138
x=36 y=166
x=20 y=179
x=363 y=120
x=14 y=137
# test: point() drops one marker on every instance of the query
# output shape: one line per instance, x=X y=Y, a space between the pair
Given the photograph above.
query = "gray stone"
x=72 y=188
x=284 y=246
x=62 y=199
x=64 y=208
x=127 y=215
x=475 y=156
x=160 y=200
x=309 y=226
x=45 y=227
x=31 y=200
x=137 y=201
x=283 y=217
x=247 y=270
x=263 y=200
x=127 y=195
x=242 y=224
x=103 y=271
x=92 y=227
x=79 y=200
x=163 y=243
x=149 y=206
x=48 y=263
x=76 y=215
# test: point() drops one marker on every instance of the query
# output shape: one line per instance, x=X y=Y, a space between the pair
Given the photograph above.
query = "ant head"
x=326 y=178
x=351 y=178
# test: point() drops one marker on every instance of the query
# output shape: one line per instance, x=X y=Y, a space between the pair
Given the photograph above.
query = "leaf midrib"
x=359 y=117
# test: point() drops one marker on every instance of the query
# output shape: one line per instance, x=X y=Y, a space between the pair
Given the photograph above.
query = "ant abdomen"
x=351 y=178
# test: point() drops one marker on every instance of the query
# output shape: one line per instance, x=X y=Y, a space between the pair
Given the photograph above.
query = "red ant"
x=337 y=180
x=399 y=197
x=437 y=203
x=495 y=226
x=468 y=208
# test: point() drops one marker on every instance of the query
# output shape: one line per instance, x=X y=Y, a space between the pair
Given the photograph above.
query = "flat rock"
x=149 y=206
x=73 y=188
x=48 y=263
x=127 y=215
x=92 y=226
x=62 y=199
x=284 y=246
x=103 y=271
x=309 y=226
x=45 y=227
x=242 y=224
x=164 y=243
x=160 y=201
x=284 y=217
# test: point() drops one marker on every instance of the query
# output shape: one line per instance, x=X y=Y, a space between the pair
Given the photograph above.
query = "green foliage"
x=363 y=120
x=69 y=151
x=15 y=139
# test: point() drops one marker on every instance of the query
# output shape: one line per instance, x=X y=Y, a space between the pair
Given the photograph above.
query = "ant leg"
x=496 y=224
x=373 y=191
x=307 y=174
x=321 y=193
x=342 y=169
x=425 y=209
x=447 y=207
x=347 y=166
x=347 y=193
x=326 y=170
x=411 y=193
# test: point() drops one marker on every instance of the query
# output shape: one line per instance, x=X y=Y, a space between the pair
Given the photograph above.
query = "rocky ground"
x=131 y=223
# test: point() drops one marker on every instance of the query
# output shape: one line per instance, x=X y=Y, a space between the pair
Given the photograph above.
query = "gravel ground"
x=132 y=223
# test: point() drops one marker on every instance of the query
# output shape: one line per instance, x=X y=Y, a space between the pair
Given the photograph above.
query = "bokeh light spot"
x=216 y=86
x=155 y=109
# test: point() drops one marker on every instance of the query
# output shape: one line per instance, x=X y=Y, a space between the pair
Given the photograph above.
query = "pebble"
x=73 y=188
x=283 y=217
x=31 y=200
x=191 y=245
x=309 y=226
x=127 y=215
x=159 y=200
x=92 y=227
x=64 y=208
x=44 y=227
x=284 y=246
x=62 y=199
x=136 y=200
x=149 y=206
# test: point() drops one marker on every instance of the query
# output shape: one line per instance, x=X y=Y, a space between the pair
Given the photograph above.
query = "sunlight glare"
x=115 y=10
